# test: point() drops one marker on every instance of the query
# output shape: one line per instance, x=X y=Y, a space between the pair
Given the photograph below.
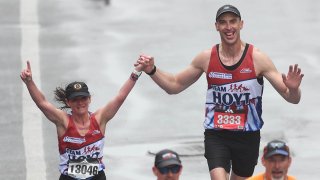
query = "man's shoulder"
x=258 y=54
x=291 y=178
x=203 y=56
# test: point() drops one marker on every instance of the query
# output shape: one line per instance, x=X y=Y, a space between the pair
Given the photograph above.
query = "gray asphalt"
x=87 y=40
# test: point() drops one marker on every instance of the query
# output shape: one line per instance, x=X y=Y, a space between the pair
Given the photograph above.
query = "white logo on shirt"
x=246 y=70
x=74 y=140
x=218 y=75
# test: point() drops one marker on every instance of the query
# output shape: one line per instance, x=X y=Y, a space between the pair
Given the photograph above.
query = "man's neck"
x=271 y=178
x=231 y=54
x=231 y=50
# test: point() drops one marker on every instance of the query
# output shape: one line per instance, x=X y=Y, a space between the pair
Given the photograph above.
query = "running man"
x=80 y=132
x=235 y=71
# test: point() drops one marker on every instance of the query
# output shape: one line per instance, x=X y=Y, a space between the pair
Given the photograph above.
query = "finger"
x=284 y=77
x=298 y=71
x=295 y=68
x=146 y=56
x=136 y=64
x=22 y=75
x=145 y=59
x=28 y=66
x=290 y=68
x=139 y=61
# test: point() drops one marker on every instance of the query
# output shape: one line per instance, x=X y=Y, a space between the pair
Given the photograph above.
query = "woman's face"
x=80 y=104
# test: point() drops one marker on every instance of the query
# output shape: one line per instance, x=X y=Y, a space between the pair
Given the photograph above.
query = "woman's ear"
x=67 y=102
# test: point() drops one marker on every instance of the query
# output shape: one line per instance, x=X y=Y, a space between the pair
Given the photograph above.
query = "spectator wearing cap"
x=80 y=132
x=235 y=72
x=276 y=159
x=167 y=165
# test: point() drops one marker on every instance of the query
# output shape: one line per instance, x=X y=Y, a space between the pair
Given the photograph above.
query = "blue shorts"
x=236 y=149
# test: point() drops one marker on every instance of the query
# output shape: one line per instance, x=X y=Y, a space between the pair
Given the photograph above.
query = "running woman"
x=80 y=132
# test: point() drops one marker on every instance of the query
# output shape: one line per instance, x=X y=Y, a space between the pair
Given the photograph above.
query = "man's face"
x=168 y=173
x=229 y=26
x=276 y=166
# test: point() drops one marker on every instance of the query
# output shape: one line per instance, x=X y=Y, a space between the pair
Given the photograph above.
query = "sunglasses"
x=174 y=169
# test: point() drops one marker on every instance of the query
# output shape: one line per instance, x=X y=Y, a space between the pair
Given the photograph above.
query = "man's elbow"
x=172 y=92
x=294 y=101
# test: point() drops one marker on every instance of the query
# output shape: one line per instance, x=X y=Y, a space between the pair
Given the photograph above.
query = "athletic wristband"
x=153 y=71
x=135 y=75
x=138 y=73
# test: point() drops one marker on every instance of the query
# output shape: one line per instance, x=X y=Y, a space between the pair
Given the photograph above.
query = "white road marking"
x=32 y=117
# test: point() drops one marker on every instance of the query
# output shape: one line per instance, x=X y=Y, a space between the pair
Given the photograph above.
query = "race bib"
x=83 y=169
x=230 y=121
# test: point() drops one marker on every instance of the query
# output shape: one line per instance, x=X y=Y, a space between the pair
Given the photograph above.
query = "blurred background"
x=98 y=41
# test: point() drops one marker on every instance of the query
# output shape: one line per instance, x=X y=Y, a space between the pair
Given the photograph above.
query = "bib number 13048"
x=229 y=121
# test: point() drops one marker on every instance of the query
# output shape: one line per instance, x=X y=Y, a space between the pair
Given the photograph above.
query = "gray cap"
x=227 y=8
x=276 y=147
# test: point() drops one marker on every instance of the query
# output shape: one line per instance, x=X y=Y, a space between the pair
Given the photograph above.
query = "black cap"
x=167 y=157
x=276 y=147
x=227 y=8
x=75 y=89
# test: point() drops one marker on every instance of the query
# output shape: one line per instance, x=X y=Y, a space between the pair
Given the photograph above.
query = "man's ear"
x=216 y=26
x=241 y=24
x=180 y=170
x=290 y=159
x=263 y=161
x=155 y=171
